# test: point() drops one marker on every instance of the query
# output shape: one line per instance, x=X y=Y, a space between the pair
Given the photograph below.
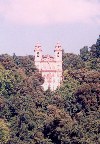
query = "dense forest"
x=69 y=115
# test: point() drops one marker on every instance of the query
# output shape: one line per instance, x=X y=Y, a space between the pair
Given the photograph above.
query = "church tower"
x=38 y=55
x=58 y=60
x=58 y=56
x=49 y=66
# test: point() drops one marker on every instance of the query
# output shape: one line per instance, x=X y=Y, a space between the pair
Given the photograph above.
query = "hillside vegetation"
x=70 y=115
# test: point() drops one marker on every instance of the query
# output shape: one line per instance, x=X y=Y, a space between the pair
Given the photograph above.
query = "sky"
x=24 y=23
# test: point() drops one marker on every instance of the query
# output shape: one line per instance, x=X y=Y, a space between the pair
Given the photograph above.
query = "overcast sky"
x=23 y=23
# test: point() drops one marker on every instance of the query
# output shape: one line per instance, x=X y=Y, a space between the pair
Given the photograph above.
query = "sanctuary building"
x=49 y=66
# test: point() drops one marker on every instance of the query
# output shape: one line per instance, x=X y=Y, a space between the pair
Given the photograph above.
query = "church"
x=49 y=66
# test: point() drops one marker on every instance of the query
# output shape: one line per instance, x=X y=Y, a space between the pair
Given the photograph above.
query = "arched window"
x=37 y=54
x=58 y=54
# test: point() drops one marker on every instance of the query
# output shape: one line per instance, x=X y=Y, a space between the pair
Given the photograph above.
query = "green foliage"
x=68 y=86
x=8 y=80
x=84 y=53
x=72 y=61
x=25 y=63
x=69 y=115
x=91 y=56
x=95 y=49
x=4 y=132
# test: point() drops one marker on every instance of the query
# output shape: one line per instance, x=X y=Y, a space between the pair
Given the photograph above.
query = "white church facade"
x=49 y=66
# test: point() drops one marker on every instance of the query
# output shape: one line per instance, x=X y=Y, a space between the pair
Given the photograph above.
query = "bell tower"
x=58 y=56
x=38 y=55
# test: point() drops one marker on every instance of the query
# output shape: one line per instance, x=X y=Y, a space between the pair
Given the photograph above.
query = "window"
x=37 y=54
x=58 y=54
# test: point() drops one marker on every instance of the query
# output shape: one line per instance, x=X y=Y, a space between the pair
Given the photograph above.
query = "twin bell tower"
x=49 y=66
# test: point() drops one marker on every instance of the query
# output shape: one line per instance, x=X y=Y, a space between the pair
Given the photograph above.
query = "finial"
x=58 y=46
x=38 y=44
x=38 y=47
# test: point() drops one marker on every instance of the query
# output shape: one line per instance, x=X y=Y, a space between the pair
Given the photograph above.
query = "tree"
x=98 y=47
x=8 y=80
x=84 y=53
x=4 y=132
x=72 y=61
